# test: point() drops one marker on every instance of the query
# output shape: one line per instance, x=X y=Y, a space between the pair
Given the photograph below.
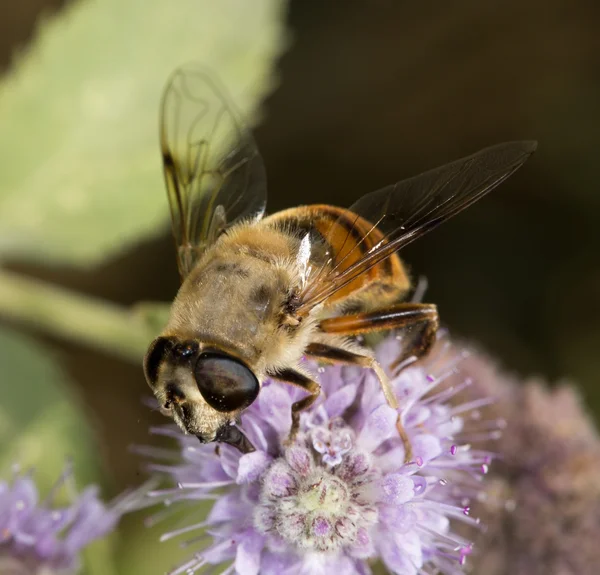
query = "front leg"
x=332 y=354
x=299 y=380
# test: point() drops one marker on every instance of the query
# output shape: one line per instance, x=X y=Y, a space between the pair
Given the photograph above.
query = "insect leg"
x=332 y=354
x=417 y=320
x=299 y=380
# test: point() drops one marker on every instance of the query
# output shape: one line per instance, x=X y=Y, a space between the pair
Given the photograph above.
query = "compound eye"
x=225 y=383
x=156 y=354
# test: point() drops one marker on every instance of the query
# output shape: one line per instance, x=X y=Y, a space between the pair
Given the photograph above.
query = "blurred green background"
x=365 y=94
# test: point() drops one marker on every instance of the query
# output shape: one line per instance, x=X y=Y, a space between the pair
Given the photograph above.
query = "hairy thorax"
x=237 y=295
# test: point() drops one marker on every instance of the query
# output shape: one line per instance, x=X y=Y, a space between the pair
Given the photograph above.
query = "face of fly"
x=204 y=390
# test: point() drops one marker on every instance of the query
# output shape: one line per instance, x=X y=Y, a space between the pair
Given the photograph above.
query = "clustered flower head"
x=341 y=497
x=39 y=536
x=542 y=508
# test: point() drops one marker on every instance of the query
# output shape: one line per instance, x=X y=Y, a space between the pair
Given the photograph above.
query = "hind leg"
x=418 y=321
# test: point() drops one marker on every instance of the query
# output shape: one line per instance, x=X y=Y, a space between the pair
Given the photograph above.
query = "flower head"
x=341 y=495
x=38 y=536
x=542 y=505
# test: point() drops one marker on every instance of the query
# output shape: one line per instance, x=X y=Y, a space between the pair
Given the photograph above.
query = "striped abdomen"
x=348 y=237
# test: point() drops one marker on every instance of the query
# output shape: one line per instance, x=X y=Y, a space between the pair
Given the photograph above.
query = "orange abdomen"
x=349 y=238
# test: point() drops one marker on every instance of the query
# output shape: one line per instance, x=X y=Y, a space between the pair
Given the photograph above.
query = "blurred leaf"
x=82 y=174
x=98 y=557
x=154 y=314
x=42 y=426
x=41 y=423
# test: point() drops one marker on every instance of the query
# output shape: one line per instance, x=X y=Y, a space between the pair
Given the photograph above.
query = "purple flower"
x=39 y=536
x=341 y=496
x=542 y=503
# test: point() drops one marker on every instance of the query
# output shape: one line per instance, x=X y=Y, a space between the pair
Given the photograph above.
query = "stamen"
x=187 y=529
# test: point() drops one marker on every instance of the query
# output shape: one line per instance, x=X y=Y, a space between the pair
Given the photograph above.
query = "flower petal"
x=401 y=559
x=363 y=547
x=254 y=431
x=227 y=507
x=409 y=381
x=410 y=543
x=325 y=564
x=387 y=352
x=251 y=466
x=247 y=557
x=370 y=392
x=275 y=405
x=400 y=519
x=339 y=401
x=420 y=484
x=379 y=426
x=426 y=446
x=278 y=563
x=332 y=378
x=230 y=459
x=389 y=461
x=417 y=416
x=396 y=488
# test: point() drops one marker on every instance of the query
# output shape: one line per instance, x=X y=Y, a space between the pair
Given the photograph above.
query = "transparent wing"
x=409 y=209
x=213 y=171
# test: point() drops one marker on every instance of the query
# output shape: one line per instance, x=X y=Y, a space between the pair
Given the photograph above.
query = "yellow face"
x=203 y=389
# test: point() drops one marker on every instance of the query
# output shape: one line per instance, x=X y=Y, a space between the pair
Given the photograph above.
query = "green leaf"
x=154 y=315
x=42 y=426
x=41 y=422
x=99 y=557
x=82 y=176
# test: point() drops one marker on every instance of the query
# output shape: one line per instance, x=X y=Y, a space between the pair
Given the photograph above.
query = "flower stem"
x=115 y=329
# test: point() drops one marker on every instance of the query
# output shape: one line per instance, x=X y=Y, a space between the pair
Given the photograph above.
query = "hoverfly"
x=259 y=293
